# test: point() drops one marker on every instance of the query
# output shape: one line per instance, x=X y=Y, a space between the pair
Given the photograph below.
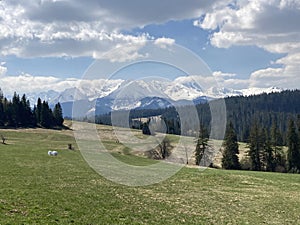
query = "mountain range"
x=109 y=95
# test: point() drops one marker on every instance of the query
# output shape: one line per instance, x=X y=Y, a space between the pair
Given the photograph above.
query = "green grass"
x=38 y=189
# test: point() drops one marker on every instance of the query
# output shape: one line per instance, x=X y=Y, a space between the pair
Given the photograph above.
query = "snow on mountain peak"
x=257 y=91
x=128 y=92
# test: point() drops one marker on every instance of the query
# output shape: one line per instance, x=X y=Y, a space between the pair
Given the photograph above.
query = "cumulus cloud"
x=74 y=28
x=10 y=84
x=269 y=24
x=95 y=28
x=3 y=69
x=287 y=76
x=124 y=51
x=116 y=14
x=164 y=42
x=41 y=84
x=220 y=74
x=229 y=80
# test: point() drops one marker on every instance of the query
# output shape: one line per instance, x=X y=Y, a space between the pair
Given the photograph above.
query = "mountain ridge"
x=109 y=95
x=179 y=89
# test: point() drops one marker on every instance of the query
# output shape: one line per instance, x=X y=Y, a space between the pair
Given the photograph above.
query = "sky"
x=245 y=43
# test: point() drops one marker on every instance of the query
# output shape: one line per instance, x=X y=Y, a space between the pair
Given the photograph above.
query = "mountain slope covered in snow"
x=103 y=96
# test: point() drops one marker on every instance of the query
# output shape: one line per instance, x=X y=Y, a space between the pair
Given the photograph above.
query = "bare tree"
x=162 y=151
x=165 y=148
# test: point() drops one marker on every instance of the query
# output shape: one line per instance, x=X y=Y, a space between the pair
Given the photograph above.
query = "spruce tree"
x=46 y=115
x=2 y=116
x=202 y=146
x=255 y=147
x=16 y=110
x=230 y=158
x=25 y=112
x=276 y=145
x=293 y=155
x=268 y=153
x=38 y=111
x=7 y=108
x=58 y=115
x=18 y=113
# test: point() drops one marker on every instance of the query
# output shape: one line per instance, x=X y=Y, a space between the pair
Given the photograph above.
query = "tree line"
x=17 y=112
x=268 y=123
x=265 y=109
x=264 y=149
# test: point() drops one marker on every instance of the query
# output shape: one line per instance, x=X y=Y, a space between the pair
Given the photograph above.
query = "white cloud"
x=95 y=28
x=220 y=74
x=10 y=84
x=236 y=84
x=267 y=77
x=126 y=51
x=285 y=77
x=164 y=42
x=41 y=84
x=266 y=23
x=229 y=80
x=39 y=28
x=3 y=69
x=269 y=24
x=116 y=14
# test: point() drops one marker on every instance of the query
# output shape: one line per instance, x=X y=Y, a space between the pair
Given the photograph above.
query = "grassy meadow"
x=38 y=189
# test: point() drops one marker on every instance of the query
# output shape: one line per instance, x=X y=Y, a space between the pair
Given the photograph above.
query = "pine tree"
x=39 y=111
x=16 y=110
x=202 y=147
x=230 y=158
x=25 y=112
x=46 y=115
x=276 y=145
x=293 y=155
x=58 y=115
x=33 y=116
x=255 y=147
x=18 y=113
x=7 y=108
x=298 y=126
x=2 y=116
x=268 y=153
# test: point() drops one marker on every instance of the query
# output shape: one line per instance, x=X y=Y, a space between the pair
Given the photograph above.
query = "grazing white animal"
x=52 y=153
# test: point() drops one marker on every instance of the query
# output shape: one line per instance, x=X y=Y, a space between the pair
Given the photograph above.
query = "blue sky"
x=242 y=60
x=247 y=43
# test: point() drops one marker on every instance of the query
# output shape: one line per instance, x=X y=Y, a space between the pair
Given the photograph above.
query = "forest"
x=265 y=150
x=266 y=122
x=18 y=112
x=267 y=110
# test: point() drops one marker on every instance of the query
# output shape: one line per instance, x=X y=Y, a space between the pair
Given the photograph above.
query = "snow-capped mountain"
x=85 y=89
x=257 y=91
x=103 y=96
